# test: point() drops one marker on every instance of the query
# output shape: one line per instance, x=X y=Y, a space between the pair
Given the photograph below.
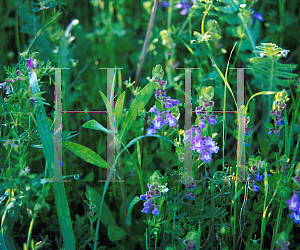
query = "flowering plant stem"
x=30 y=232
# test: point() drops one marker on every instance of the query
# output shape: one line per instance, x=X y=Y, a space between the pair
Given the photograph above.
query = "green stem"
x=30 y=232
x=123 y=191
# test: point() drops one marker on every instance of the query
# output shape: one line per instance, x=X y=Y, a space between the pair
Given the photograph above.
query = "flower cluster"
x=8 y=87
x=185 y=6
x=247 y=132
x=276 y=113
x=190 y=240
x=157 y=186
x=204 y=145
x=294 y=205
x=256 y=165
x=190 y=186
x=283 y=163
x=164 y=105
x=257 y=177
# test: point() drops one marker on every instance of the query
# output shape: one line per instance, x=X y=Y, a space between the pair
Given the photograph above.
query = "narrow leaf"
x=119 y=109
x=86 y=154
x=139 y=102
x=93 y=124
x=128 y=217
x=59 y=191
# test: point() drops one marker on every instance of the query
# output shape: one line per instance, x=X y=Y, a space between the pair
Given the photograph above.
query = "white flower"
x=70 y=26
x=284 y=53
x=243 y=5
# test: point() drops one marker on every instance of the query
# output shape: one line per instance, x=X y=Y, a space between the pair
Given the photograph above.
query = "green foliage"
x=269 y=72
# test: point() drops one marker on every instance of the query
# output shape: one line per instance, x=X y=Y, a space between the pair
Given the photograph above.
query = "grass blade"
x=51 y=157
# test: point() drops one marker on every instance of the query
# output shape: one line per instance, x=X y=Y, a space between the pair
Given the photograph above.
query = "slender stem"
x=123 y=193
x=203 y=19
x=30 y=232
x=142 y=58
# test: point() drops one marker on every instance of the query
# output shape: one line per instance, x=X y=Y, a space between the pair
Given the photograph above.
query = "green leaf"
x=198 y=190
x=139 y=102
x=128 y=217
x=93 y=124
x=158 y=106
x=116 y=233
x=269 y=125
x=6 y=241
x=107 y=103
x=108 y=217
x=53 y=168
x=86 y=154
x=268 y=70
x=119 y=109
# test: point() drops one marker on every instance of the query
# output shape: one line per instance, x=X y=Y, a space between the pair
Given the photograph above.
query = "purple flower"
x=257 y=15
x=9 y=89
x=210 y=145
x=212 y=120
x=143 y=197
x=200 y=110
x=169 y=103
x=185 y=6
x=163 y=4
x=295 y=216
x=155 y=211
x=201 y=123
x=32 y=64
x=294 y=202
x=197 y=142
x=146 y=209
x=205 y=156
x=157 y=122
x=192 y=196
x=151 y=130
x=148 y=203
x=255 y=188
x=260 y=178
x=170 y=119
x=2 y=84
x=154 y=110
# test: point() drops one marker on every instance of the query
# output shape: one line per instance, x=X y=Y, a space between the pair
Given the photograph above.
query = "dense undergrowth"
x=177 y=125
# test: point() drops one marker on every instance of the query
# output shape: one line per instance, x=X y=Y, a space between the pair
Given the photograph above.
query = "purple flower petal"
x=151 y=130
x=294 y=202
x=205 y=156
x=146 y=210
x=256 y=188
x=165 y=4
x=155 y=211
x=154 y=110
x=30 y=63
x=143 y=197
x=258 y=16
x=147 y=203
